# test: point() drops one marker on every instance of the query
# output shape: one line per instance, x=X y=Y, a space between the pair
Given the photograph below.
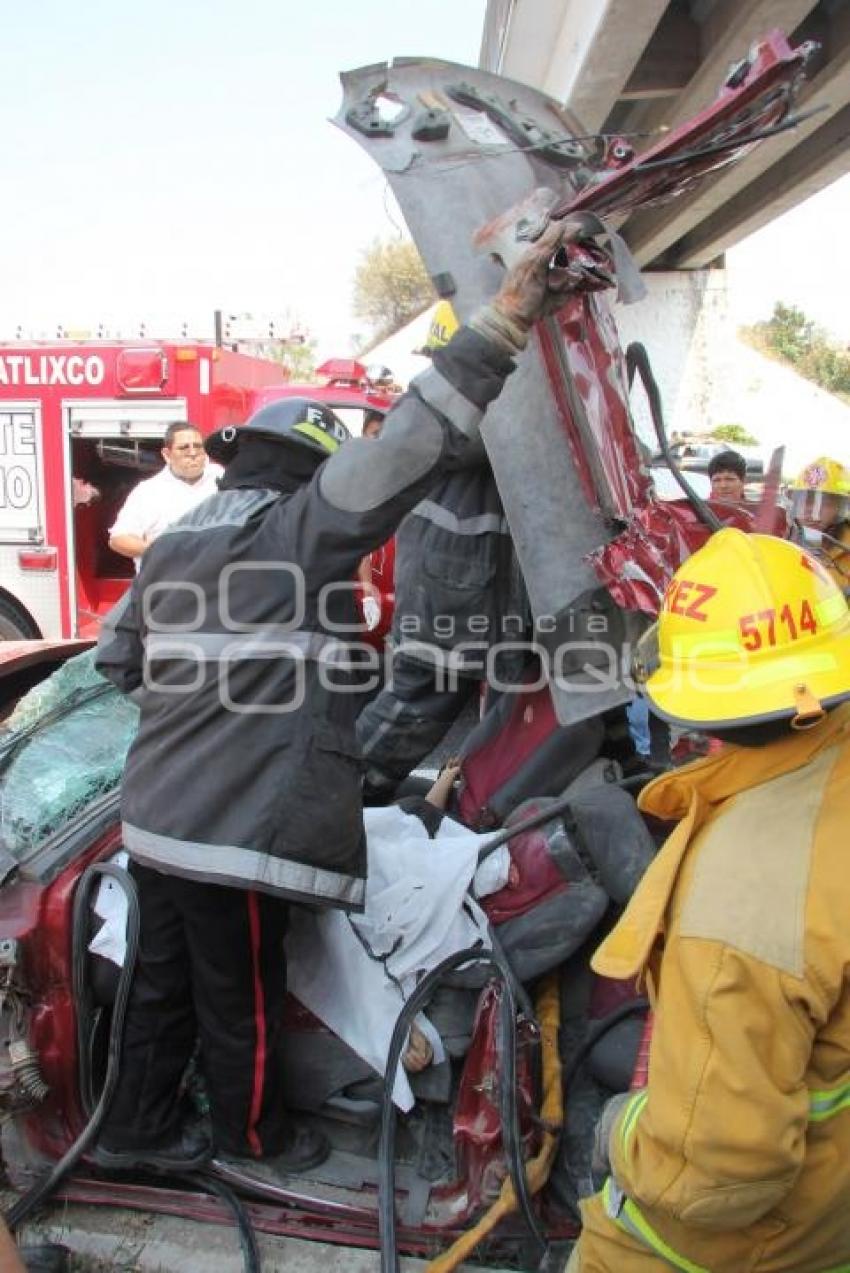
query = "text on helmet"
x=760 y=628
x=687 y=598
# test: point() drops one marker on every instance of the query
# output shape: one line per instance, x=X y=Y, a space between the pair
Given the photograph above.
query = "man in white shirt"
x=187 y=479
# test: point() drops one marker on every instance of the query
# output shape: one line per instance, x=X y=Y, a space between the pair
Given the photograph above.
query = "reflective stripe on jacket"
x=235 y=638
x=456 y=578
x=737 y=1156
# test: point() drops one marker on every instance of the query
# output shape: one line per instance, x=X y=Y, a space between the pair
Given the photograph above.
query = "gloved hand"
x=539 y=281
x=538 y=284
x=371 y=613
x=600 y=1162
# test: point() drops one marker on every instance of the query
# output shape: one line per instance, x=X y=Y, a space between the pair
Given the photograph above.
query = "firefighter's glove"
x=538 y=284
x=600 y=1161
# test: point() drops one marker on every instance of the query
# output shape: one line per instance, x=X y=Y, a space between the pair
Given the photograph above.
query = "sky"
x=801 y=258
x=165 y=160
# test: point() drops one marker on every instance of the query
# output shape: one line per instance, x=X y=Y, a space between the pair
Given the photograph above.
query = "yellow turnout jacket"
x=737 y=1155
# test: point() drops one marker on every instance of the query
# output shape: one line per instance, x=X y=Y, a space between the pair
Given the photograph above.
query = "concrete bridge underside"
x=632 y=66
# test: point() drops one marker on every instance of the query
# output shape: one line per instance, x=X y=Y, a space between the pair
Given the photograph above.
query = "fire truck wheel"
x=15 y=623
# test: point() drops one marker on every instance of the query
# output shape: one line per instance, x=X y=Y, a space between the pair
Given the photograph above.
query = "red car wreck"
x=491 y=1149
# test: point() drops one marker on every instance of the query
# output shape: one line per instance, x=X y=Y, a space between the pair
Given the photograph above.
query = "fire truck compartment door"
x=21 y=474
x=111 y=419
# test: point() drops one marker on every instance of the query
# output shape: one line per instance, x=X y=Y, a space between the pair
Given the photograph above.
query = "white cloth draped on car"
x=355 y=972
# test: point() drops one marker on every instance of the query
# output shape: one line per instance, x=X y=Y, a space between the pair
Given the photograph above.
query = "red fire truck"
x=80 y=424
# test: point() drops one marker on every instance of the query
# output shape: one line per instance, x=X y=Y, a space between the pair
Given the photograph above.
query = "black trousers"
x=211 y=966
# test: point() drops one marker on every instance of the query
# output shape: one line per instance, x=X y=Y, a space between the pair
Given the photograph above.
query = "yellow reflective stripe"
x=631 y=1221
x=631 y=1114
x=726 y=641
x=825 y=1104
x=831 y=609
x=318 y=435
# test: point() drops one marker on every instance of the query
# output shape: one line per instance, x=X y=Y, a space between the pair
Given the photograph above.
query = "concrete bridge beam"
x=655 y=234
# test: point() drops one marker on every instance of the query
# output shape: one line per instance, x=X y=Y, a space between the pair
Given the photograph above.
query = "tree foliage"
x=391 y=286
x=793 y=338
x=298 y=359
x=734 y=434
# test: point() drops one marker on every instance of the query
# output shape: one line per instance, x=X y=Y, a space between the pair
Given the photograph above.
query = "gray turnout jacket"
x=457 y=580
x=236 y=640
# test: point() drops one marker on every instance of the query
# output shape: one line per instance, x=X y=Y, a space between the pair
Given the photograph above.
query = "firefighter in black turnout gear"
x=242 y=790
x=458 y=590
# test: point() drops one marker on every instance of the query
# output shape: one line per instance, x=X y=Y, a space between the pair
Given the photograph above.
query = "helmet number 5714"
x=765 y=626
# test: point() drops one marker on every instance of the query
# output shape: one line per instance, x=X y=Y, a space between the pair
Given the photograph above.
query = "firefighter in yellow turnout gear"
x=736 y=1156
x=820 y=503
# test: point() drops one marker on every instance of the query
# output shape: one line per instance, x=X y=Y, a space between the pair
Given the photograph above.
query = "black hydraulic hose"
x=637 y=780
x=596 y=1032
x=637 y=360
x=527 y=824
x=386 y=1144
x=247 y=1236
x=535 y=820
x=509 y=1114
x=521 y=995
x=544 y=815
x=79 y=935
x=42 y=1188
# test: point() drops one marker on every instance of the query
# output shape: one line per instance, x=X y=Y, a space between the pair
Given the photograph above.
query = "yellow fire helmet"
x=751 y=629
x=820 y=495
x=825 y=475
x=443 y=326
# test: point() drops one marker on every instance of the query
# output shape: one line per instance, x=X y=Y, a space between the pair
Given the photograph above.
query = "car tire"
x=15 y=623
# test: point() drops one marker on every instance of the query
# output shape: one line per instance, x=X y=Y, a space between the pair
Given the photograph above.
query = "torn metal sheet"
x=504 y=142
x=478 y=165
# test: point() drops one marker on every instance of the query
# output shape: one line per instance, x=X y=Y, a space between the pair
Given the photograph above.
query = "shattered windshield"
x=64 y=744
